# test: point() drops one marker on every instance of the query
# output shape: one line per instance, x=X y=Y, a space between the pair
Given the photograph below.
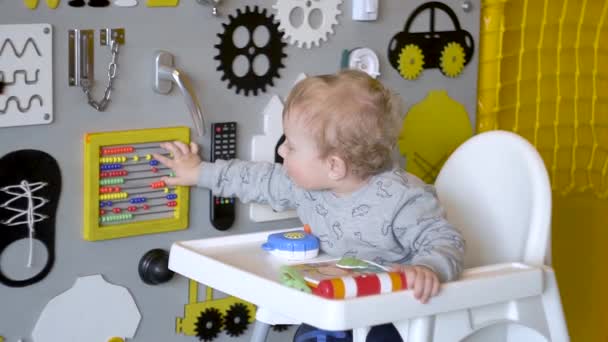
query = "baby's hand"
x=185 y=163
x=421 y=279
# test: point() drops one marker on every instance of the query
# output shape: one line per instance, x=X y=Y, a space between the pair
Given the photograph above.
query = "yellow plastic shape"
x=411 y=62
x=114 y=339
x=432 y=129
x=93 y=142
x=31 y=4
x=162 y=3
x=197 y=313
x=52 y=3
x=452 y=59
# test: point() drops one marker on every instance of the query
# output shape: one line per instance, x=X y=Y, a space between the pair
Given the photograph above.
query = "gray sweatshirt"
x=394 y=218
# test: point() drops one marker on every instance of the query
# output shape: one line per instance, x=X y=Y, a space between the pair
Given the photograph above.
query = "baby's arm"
x=437 y=247
x=259 y=182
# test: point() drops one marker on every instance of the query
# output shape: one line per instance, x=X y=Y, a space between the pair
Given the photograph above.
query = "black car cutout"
x=411 y=52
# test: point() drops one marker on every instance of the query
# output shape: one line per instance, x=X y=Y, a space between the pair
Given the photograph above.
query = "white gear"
x=305 y=35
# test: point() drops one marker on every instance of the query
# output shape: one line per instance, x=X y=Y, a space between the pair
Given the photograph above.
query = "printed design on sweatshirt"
x=397 y=250
x=402 y=176
x=325 y=241
x=284 y=202
x=386 y=227
x=336 y=228
x=308 y=195
x=412 y=200
x=428 y=220
x=321 y=210
x=381 y=261
x=432 y=235
x=400 y=231
x=245 y=175
x=361 y=210
x=351 y=253
x=383 y=186
x=224 y=179
x=266 y=176
x=359 y=237
x=456 y=241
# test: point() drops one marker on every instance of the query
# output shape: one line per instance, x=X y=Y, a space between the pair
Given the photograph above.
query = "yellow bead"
x=148 y=156
x=135 y=158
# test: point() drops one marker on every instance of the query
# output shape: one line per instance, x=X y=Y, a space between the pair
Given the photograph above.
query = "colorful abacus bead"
x=172 y=204
x=156 y=185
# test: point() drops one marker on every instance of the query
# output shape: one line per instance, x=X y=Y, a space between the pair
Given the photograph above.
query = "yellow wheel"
x=411 y=62
x=452 y=59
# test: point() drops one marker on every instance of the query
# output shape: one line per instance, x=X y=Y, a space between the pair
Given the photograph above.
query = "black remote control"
x=223 y=146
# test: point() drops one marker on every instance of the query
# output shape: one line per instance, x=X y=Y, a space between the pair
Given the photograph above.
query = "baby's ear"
x=337 y=167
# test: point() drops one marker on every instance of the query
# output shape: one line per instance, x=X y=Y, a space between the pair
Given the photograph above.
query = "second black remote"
x=223 y=146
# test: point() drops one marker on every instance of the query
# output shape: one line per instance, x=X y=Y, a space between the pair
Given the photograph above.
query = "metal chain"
x=112 y=67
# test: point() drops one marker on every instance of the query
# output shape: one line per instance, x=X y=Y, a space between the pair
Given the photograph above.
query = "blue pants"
x=380 y=333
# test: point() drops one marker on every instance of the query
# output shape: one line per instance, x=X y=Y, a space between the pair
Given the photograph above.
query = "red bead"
x=132 y=208
x=102 y=212
x=116 y=210
x=154 y=170
x=146 y=207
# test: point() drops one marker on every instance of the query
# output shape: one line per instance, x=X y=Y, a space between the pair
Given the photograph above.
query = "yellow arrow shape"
x=52 y=3
x=31 y=4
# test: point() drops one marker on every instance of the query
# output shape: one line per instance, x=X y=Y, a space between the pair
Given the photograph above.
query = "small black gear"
x=228 y=52
x=236 y=319
x=280 y=327
x=208 y=324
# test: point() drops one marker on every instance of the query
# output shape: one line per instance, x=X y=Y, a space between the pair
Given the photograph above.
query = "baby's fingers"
x=419 y=285
x=427 y=288
x=194 y=147
x=171 y=147
x=183 y=148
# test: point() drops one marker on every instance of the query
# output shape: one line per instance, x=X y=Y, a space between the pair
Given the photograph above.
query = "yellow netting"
x=544 y=74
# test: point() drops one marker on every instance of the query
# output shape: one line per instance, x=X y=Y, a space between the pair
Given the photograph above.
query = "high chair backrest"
x=496 y=190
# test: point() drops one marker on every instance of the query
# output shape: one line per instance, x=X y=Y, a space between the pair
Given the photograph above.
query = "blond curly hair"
x=350 y=115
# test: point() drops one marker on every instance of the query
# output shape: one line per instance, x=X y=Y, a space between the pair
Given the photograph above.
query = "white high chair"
x=496 y=191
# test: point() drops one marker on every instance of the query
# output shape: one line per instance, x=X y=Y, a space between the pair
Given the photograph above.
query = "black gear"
x=280 y=327
x=228 y=52
x=236 y=319
x=208 y=324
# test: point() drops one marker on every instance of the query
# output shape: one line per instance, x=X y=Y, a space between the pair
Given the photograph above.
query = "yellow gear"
x=411 y=61
x=452 y=59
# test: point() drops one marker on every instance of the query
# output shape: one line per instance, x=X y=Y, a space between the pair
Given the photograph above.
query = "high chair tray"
x=238 y=266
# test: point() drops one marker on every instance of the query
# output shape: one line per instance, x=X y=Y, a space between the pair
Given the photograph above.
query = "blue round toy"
x=292 y=245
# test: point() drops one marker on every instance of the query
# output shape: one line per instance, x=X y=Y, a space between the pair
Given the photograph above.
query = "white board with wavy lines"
x=26 y=68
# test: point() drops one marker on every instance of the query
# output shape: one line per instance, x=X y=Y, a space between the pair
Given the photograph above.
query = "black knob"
x=154 y=267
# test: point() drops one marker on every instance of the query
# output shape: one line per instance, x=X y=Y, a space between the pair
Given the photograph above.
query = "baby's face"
x=301 y=157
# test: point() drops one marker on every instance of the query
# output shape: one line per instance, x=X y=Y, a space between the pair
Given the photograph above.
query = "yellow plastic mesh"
x=544 y=74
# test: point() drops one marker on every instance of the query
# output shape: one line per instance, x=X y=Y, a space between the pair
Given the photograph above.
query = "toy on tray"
x=344 y=278
x=292 y=245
